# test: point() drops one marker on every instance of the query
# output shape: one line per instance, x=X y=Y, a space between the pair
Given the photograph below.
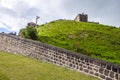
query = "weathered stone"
x=102 y=76
x=108 y=78
x=96 y=74
x=86 y=70
x=119 y=70
x=103 y=65
x=106 y=72
x=108 y=67
x=91 y=72
x=91 y=61
x=77 y=67
x=90 y=68
x=81 y=68
x=83 y=62
x=80 y=64
x=86 y=60
x=114 y=69
x=82 y=58
x=116 y=76
x=101 y=70
x=84 y=66
x=96 y=70
x=112 y=74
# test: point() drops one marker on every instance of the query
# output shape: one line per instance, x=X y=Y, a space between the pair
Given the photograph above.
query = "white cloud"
x=17 y=13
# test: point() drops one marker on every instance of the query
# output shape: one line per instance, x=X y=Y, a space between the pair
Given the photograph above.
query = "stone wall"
x=41 y=51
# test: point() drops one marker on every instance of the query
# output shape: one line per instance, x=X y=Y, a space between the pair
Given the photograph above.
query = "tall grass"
x=96 y=40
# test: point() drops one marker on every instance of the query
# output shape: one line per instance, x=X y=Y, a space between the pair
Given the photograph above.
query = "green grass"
x=17 y=67
x=96 y=40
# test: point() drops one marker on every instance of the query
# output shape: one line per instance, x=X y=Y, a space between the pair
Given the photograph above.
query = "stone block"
x=112 y=74
x=91 y=61
x=81 y=65
x=102 y=76
x=81 y=69
x=109 y=78
x=82 y=58
x=84 y=66
x=96 y=70
x=96 y=74
x=108 y=67
x=116 y=76
x=86 y=70
x=119 y=70
x=101 y=70
x=91 y=72
x=106 y=72
x=103 y=65
x=90 y=68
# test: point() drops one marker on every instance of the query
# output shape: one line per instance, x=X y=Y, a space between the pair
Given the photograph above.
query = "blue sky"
x=15 y=14
x=4 y=30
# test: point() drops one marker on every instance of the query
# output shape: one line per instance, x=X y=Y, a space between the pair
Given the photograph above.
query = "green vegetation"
x=16 y=67
x=96 y=40
x=29 y=32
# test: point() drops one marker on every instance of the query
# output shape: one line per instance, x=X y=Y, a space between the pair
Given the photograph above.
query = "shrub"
x=28 y=32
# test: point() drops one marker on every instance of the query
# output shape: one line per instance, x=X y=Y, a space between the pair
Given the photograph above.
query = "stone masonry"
x=81 y=17
x=41 y=51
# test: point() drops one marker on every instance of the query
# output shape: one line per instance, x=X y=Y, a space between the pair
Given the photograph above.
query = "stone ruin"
x=81 y=17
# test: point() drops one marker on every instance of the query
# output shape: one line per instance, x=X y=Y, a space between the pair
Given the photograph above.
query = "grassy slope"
x=96 y=40
x=16 y=67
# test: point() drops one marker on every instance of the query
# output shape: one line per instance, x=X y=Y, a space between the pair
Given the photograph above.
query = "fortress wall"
x=41 y=51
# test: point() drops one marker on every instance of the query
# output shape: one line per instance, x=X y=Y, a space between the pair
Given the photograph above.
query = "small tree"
x=28 y=32
x=22 y=33
x=31 y=33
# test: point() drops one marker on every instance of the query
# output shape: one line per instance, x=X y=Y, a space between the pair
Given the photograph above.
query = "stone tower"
x=81 y=17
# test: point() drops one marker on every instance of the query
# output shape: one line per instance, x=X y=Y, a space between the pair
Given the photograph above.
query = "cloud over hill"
x=16 y=13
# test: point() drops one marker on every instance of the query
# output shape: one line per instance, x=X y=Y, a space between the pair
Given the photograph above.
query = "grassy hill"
x=96 y=40
x=16 y=67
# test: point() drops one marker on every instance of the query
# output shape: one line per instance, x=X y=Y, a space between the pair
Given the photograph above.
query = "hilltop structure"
x=81 y=17
x=32 y=24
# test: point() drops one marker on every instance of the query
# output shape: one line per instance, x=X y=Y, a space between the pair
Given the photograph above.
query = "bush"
x=28 y=32
x=22 y=33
